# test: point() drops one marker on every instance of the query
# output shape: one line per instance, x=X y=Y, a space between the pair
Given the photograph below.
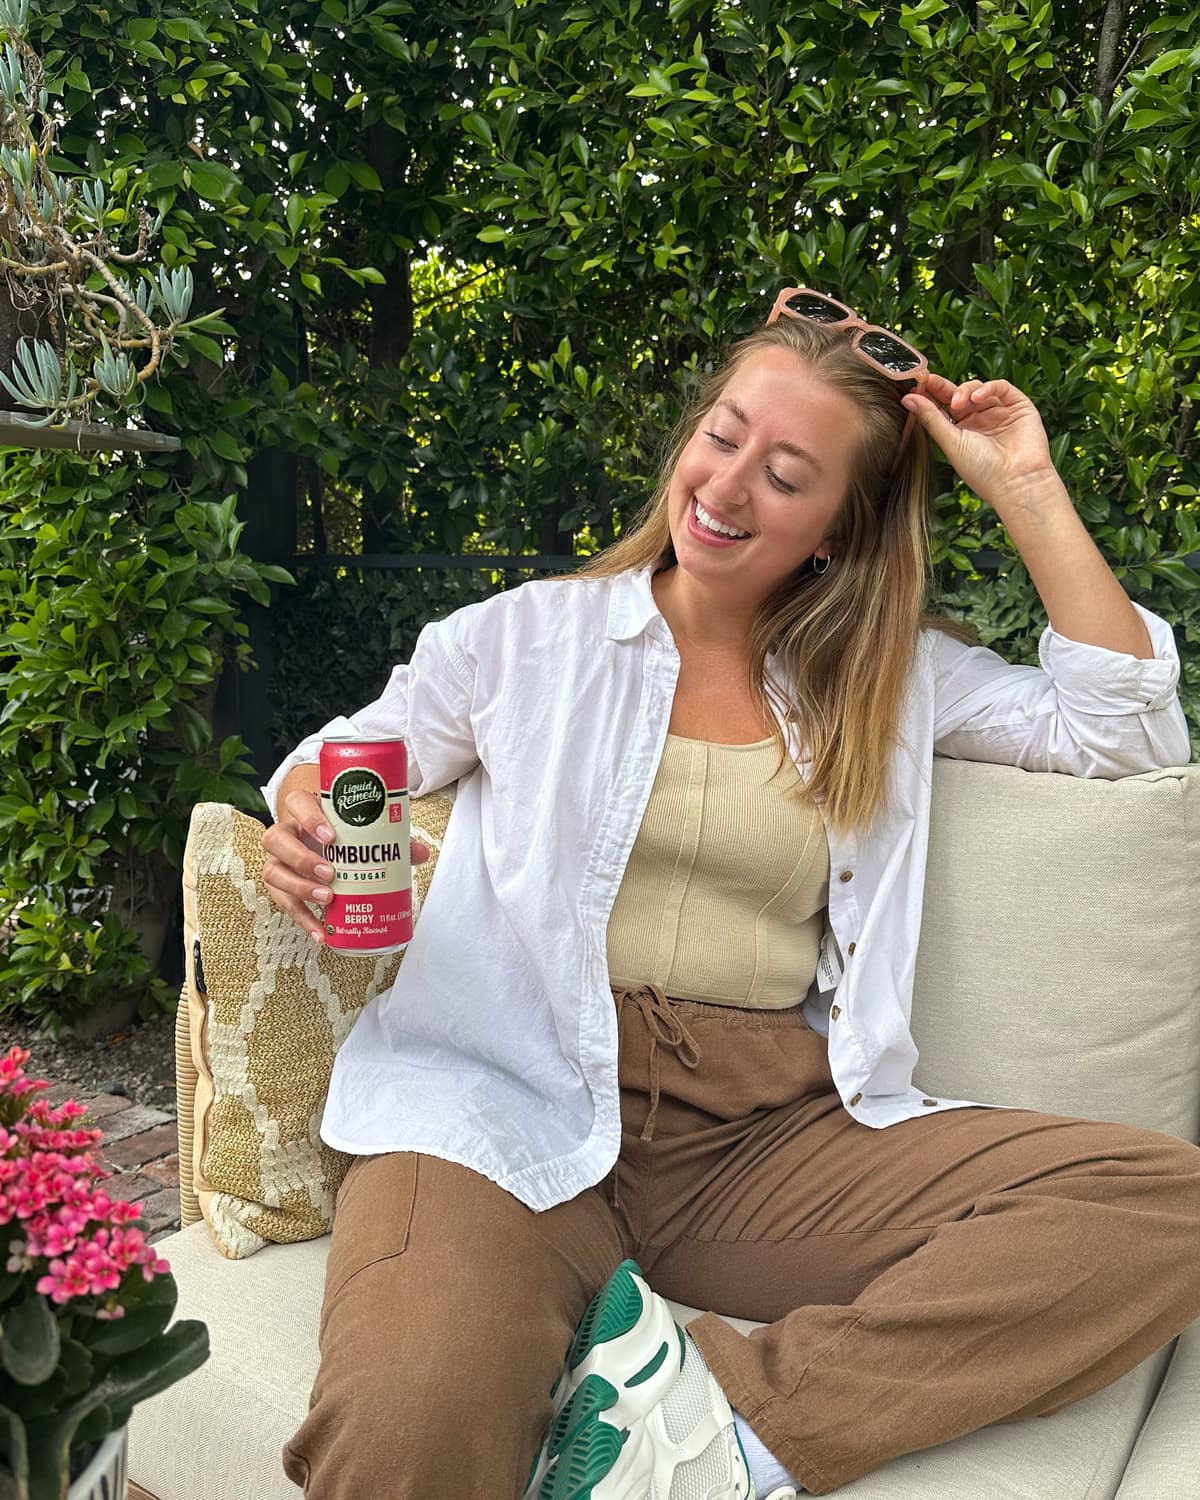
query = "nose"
x=728 y=483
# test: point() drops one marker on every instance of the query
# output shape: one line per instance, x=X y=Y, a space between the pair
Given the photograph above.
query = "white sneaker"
x=638 y=1415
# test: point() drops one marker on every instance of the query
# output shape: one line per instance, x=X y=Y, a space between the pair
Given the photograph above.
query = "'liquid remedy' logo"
x=358 y=797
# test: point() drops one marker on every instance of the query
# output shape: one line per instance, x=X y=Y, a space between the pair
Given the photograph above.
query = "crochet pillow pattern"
x=262 y=1014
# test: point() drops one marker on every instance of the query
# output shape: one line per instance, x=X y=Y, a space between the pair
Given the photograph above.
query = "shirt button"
x=846 y=875
x=856 y=1098
x=930 y=1102
x=835 y=1011
x=851 y=949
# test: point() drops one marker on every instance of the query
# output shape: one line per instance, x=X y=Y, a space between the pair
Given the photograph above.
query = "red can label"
x=364 y=795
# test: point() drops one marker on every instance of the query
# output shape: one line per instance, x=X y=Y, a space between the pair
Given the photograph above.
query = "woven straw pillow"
x=266 y=1010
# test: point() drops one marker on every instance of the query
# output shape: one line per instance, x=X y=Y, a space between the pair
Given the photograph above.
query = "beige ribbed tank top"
x=725 y=892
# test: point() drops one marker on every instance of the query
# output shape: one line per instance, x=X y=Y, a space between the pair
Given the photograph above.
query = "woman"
x=657 y=1001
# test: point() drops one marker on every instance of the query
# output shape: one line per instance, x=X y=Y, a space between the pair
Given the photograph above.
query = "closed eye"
x=726 y=446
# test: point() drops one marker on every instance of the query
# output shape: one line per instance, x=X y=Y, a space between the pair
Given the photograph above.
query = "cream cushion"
x=1164 y=1463
x=1059 y=962
x=1058 y=969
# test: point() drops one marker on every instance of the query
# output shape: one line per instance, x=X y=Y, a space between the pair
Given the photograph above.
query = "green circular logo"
x=359 y=797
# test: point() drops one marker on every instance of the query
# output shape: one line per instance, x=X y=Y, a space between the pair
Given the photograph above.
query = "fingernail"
x=321 y=894
x=324 y=872
x=316 y=937
x=325 y=832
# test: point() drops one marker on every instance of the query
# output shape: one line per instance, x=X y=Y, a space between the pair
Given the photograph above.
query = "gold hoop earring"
x=825 y=569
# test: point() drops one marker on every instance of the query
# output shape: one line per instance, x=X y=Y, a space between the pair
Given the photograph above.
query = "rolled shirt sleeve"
x=1086 y=711
x=426 y=703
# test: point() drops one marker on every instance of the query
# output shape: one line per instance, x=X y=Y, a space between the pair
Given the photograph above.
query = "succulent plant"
x=106 y=341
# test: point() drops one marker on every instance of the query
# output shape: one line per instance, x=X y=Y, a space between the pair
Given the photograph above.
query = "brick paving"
x=140 y=1148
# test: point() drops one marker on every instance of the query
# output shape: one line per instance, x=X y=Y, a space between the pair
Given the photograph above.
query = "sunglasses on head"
x=882 y=349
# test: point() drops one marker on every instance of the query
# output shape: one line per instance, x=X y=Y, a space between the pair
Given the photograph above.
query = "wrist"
x=1039 y=493
x=302 y=778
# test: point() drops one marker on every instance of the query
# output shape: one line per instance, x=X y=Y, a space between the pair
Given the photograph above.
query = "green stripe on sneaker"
x=647 y=1369
x=581 y=1466
x=614 y=1310
x=593 y=1396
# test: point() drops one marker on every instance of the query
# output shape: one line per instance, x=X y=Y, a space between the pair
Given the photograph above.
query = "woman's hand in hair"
x=992 y=435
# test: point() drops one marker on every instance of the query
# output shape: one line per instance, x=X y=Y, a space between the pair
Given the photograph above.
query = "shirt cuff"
x=307 y=753
x=1095 y=680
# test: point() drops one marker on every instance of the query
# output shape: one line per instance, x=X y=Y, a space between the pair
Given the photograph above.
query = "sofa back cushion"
x=1059 y=962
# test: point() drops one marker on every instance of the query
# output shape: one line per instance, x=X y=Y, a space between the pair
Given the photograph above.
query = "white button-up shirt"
x=548 y=706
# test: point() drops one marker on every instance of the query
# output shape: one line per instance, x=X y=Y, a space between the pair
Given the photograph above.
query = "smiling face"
x=771 y=461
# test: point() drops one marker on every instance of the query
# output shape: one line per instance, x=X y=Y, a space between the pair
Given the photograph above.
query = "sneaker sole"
x=626 y=1354
x=602 y=1463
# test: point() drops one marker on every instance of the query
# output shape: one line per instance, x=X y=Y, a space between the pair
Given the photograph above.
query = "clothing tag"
x=829 y=963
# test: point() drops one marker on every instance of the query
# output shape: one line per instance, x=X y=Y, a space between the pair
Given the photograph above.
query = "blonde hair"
x=845 y=638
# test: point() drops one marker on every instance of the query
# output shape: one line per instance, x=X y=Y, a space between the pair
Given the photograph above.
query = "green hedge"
x=468 y=261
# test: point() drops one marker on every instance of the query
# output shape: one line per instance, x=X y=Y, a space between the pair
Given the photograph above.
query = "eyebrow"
x=793 y=448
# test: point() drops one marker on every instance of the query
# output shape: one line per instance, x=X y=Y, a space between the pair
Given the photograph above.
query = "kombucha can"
x=364 y=796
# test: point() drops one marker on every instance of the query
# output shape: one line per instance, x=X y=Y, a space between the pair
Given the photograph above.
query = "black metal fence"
x=247 y=702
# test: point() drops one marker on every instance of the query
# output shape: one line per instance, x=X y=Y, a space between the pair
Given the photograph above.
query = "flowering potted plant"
x=84 y=1305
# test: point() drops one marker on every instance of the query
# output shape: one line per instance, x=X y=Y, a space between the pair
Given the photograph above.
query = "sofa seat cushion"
x=1164 y=1460
x=229 y=1420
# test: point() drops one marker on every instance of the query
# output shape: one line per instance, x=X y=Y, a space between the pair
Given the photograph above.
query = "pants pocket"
x=374 y=1216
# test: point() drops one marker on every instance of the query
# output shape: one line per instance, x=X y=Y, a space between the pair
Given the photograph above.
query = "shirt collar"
x=631 y=610
x=631 y=606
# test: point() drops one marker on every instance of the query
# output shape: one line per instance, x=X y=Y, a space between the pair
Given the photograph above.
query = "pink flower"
x=76 y=1241
x=64 y=1282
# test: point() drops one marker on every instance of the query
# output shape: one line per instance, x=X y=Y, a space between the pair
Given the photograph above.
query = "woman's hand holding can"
x=295 y=871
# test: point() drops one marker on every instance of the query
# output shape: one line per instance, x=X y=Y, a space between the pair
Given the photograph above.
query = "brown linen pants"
x=918 y=1282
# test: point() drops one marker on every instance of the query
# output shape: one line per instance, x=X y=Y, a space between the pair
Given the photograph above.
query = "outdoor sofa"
x=1059 y=968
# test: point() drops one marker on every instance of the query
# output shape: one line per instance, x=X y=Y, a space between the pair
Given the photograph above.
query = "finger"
x=940 y=427
x=963 y=398
x=282 y=881
x=304 y=808
x=995 y=393
x=419 y=851
x=293 y=907
x=298 y=857
x=938 y=386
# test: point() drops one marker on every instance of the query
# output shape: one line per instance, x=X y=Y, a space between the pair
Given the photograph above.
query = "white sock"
x=765 y=1469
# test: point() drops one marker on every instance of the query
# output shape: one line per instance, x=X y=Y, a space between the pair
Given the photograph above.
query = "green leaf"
x=208 y=348
x=337 y=179
x=366 y=176
x=1178 y=572
x=213 y=181
x=29 y=1344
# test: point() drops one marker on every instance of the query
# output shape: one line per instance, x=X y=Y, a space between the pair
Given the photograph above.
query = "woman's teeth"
x=718 y=526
